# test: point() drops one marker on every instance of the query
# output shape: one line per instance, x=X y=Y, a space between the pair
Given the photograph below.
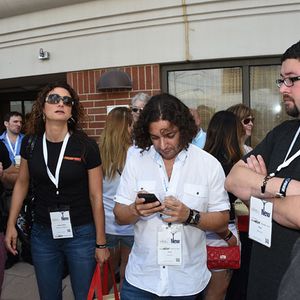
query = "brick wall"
x=145 y=78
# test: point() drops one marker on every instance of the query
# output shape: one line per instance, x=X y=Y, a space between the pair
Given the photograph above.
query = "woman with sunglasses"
x=64 y=167
x=237 y=289
x=137 y=104
x=245 y=115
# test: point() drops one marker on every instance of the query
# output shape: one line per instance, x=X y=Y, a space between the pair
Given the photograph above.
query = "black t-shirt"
x=81 y=154
x=269 y=265
x=6 y=162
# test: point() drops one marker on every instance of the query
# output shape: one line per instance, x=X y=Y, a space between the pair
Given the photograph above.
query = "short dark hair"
x=12 y=114
x=291 y=52
x=169 y=108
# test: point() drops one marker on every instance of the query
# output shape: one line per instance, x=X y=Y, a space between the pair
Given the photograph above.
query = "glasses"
x=248 y=120
x=55 y=99
x=288 y=81
x=137 y=110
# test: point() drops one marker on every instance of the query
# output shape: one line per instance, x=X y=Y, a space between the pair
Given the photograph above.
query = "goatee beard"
x=291 y=111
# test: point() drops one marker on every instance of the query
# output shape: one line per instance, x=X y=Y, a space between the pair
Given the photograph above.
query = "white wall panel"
x=111 y=33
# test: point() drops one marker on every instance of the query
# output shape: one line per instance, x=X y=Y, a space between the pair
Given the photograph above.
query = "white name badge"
x=260 y=226
x=18 y=160
x=61 y=224
x=169 y=245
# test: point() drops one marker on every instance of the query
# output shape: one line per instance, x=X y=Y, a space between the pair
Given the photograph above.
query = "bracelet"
x=264 y=184
x=228 y=236
x=188 y=220
x=284 y=185
x=99 y=246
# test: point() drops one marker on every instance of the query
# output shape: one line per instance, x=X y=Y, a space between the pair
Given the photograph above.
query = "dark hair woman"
x=64 y=166
x=222 y=141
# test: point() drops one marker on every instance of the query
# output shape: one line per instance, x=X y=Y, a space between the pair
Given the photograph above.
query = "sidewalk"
x=20 y=284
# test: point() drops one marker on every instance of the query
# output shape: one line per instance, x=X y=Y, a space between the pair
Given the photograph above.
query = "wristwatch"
x=193 y=218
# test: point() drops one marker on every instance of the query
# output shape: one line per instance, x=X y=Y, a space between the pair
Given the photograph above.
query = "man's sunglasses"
x=137 y=110
x=248 y=120
x=55 y=99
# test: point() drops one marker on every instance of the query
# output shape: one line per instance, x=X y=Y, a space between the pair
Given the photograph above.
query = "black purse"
x=26 y=215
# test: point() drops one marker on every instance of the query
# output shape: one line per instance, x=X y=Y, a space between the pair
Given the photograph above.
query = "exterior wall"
x=113 y=33
x=145 y=78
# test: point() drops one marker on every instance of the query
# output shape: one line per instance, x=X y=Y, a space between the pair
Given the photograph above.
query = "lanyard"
x=293 y=157
x=55 y=179
x=13 y=150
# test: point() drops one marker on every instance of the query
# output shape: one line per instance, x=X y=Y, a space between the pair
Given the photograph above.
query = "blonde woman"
x=114 y=143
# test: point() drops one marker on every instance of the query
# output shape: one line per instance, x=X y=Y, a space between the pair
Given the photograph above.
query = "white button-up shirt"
x=198 y=181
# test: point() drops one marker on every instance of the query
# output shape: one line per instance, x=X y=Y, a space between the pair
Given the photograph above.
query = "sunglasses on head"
x=247 y=120
x=55 y=99
x=137 y=110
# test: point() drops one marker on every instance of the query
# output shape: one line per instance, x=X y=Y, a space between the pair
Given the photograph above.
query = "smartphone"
x=149 y=198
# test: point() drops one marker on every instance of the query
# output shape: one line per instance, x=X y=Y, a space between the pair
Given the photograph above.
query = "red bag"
x=223 y=257
x=96 y=286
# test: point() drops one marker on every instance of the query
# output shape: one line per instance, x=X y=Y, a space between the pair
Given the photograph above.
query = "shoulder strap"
x=30 y=145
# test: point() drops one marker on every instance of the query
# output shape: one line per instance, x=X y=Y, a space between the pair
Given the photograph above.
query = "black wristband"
x=228 y=236
x=284 y=185
x=188 y=220
x=99 y=246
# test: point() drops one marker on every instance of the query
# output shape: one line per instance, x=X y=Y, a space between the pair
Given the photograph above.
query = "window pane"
x=208 y=90
x=28 y=106
x=16 y=106
x=265 y=100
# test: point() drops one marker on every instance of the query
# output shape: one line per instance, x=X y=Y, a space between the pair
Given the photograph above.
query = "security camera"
x=43 y=54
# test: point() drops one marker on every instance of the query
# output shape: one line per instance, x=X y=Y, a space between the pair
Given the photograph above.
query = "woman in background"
x=64 y=166
x=239 y=283
x=222 y=141
x=137 y=104
x=245 y=115
x=114 y=143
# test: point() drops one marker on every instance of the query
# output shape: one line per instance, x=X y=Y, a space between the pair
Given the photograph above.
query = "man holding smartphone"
x=168 y=258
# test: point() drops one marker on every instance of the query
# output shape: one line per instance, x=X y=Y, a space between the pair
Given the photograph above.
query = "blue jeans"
x=48 y=256
x=129 y=292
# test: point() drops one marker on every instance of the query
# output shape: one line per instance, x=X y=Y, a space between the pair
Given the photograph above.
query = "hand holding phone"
x=149 y=198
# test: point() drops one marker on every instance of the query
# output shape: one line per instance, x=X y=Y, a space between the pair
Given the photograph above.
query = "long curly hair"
x=222 y=137
x=36 y=124
x=115 y=141
x=168 y=108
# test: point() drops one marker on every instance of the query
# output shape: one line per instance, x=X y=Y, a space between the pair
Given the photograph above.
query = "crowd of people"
x=154 y=194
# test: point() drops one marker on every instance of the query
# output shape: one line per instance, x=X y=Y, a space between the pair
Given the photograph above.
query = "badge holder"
x=61 y=223
x=169 y=245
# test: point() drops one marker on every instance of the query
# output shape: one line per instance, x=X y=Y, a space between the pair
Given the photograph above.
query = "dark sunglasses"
x=139 y=110
x=55 y=99
x=247 y=120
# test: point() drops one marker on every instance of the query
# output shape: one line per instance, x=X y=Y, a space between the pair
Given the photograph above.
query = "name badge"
x=169 y=246
x=61 y=224
x=260 y=226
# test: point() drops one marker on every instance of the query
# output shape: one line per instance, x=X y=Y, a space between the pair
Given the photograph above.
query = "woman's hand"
x=102 y=255
x=11 y=237
x=232 y=241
